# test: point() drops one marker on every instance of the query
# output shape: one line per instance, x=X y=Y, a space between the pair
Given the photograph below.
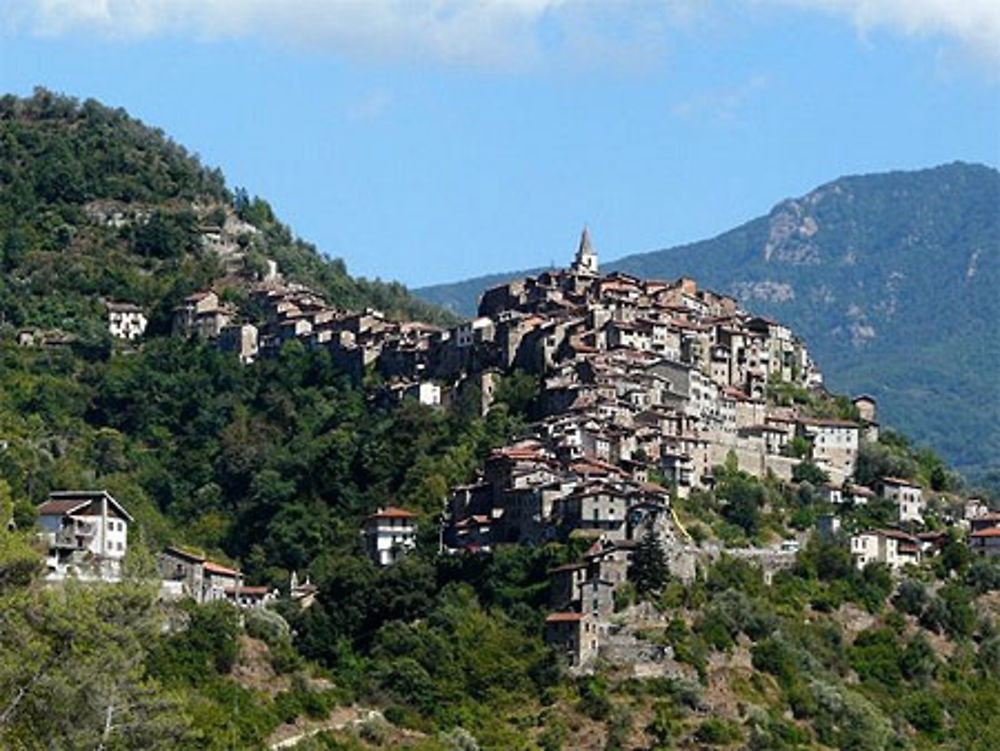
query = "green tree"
x=649 y=571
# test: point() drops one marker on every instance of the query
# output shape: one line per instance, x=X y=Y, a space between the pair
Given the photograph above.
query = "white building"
x=389 y=533
x=125 y=320
x=424 y=392
x=834 y=445
x=86 y=532
x=893 y=548
x=907 y=496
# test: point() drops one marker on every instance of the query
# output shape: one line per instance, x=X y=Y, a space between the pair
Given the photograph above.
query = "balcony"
x=73 y=537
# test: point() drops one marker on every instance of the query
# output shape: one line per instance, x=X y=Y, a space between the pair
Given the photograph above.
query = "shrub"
x=374 y=729
x=459 y=739
x=911 y=597
x=716 y=731
x=875 y=656
x=775 y=655
x=923 y=711
x=594 y=701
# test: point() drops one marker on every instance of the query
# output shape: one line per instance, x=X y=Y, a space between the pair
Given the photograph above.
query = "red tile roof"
x=258 y=591
x=564 y=618
x=217 y=568
x=900 y=481
x=988 y=532
x=392 y=512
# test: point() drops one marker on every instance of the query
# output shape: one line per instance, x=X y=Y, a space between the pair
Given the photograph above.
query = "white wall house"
x=389 y=533
x=425 y=392
x=893 y=548
x=834 y=445
x=125 y=320
x=86 y=533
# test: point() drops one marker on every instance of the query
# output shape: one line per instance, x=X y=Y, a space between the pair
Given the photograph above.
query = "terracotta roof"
x=900 y=481
x=217 y=568
x=564 y=618
x=988 y=532
x=392 y=512
x=248 y=590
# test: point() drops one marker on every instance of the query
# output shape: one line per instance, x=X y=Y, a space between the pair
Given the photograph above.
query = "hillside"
x=94 y=204
x=276 y=466
x=890 y=278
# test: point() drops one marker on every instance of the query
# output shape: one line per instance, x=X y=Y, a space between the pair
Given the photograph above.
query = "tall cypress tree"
x=649 y=571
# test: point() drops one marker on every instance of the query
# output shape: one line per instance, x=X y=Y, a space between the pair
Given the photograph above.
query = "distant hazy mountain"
x=894 y=280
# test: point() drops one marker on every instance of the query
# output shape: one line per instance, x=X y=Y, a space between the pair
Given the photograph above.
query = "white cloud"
x=491 y=33
x=483 y=32
x=720 y=104
x=976 y=23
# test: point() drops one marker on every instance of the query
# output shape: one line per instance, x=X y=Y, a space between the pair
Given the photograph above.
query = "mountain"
x=891 y=278
x=95 y=204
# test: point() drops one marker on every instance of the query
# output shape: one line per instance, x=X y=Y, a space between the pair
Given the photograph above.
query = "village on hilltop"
x=645 y=387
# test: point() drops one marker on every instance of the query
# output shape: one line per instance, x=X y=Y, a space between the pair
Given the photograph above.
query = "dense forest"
x=274 y=466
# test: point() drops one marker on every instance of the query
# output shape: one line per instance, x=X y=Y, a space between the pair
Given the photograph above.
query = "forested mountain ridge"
x=890 y=278
x=96 y=205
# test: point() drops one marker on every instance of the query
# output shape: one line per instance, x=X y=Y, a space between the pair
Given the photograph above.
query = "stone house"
x=907 y=496
x=566 y=585
x=576 y=636
x=202 y=315
x=185 y=573
x=985 y=542
x=595 y=508
x=242 y=339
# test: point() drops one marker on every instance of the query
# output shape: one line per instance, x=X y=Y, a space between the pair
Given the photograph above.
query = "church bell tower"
x=586 y=259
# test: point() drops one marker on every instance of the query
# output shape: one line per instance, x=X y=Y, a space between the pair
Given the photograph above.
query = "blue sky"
x=432 y=140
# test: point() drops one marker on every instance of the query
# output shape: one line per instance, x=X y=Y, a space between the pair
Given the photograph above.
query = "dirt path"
x=288 y=735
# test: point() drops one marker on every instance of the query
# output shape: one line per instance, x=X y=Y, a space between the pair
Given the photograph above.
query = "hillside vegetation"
x=94 y=204
x=890 y=278
x=273 y=467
